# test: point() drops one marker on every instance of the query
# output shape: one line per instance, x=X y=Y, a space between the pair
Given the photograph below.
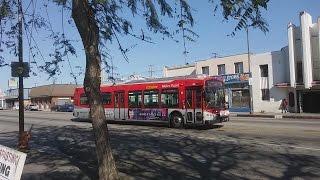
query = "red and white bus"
x=176 y=101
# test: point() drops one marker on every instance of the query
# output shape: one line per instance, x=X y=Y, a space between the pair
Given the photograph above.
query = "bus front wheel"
x=176 y=120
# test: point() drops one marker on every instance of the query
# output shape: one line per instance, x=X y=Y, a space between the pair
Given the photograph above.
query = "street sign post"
x=20 y=69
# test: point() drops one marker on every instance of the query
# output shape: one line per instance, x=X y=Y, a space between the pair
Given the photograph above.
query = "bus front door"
x=119 y=107
x=193 y=114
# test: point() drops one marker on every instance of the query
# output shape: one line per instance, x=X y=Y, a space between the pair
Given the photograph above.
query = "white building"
x=304 y=64
x=292 y=73
x=233 y=64
x=269 y=72
x=188 y=69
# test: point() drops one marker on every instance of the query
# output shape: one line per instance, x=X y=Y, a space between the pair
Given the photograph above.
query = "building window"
x=205 y=70
x=238 y=67
x=221 y=69
x=265 y=94
x=264 y=70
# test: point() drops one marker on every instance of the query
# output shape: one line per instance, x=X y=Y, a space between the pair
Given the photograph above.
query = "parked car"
x=65 y=108
x=15 y=107
x=54 y=108
x=33 y=107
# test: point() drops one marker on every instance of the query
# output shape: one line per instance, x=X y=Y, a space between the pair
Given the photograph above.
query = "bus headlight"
x=224 y=113
x=208 y=115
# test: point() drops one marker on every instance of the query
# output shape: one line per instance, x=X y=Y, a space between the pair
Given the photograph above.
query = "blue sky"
x=211 y=29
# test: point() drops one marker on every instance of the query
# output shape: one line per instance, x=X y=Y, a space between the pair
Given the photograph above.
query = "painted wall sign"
x=11 y=163
x=235 y=78
x=213 y=83
x=148 y=114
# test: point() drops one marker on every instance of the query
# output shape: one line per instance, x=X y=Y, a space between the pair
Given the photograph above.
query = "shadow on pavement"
x=150 y=153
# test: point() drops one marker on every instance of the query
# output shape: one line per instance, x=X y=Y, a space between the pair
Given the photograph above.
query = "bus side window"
x=83 y=99
x=151 y=98
x=106 y=98
x=135 y=99
x=170 y=98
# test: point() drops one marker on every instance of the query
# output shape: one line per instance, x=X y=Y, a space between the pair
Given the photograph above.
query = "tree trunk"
x=84 y=18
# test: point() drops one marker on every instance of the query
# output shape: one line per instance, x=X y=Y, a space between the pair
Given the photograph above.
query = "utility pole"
x=20 y=49
x=249 y=69
x=112 y=71
x=151 y=71
x=248 y=48
x=249 y=63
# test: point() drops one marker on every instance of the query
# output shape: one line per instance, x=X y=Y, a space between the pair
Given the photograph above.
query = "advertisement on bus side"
x=148 y=114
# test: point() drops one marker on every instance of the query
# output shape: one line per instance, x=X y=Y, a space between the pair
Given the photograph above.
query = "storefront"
x=307 y=100
x=237 y=92
x=12 y=100
x=49 y=97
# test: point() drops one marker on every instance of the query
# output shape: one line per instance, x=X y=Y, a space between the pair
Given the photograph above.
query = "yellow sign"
x=152 y=87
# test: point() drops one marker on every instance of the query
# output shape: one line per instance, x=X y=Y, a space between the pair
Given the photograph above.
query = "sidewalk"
x=58 y=153
x=278 y=115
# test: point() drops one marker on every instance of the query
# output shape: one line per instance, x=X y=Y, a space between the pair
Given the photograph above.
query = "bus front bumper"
x=216 y=120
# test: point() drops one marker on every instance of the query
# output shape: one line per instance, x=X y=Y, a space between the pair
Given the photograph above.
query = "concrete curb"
x=277 y=116
x=301 y=117
x=255 y=115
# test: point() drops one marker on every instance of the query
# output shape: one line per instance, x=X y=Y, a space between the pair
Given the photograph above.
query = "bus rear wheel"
x=176 y=120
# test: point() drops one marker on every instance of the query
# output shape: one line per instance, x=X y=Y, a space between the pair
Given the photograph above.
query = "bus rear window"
x=135 y=99
x=169 y=98
x=151 y=98
x=84 y=99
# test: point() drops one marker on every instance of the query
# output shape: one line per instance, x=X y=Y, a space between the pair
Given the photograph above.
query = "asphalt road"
x=244 y=148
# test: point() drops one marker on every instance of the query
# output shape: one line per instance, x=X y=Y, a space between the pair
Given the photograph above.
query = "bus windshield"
x=214 y=98
x=214 y=94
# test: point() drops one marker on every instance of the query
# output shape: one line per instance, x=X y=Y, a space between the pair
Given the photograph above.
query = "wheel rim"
x=177 y=121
